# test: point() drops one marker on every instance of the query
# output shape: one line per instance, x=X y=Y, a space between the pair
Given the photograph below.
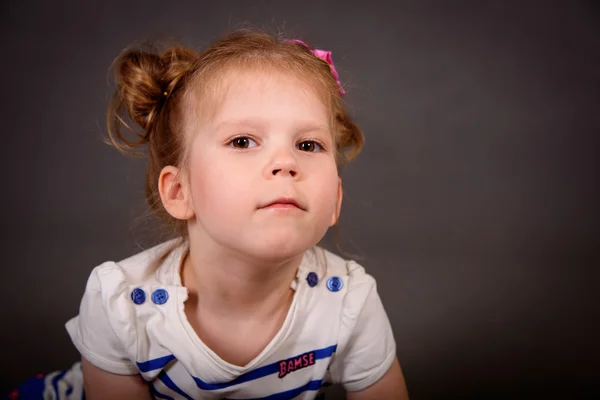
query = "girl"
x=244 y=140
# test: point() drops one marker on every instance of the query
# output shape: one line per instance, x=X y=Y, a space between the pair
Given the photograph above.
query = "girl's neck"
x=231 y=285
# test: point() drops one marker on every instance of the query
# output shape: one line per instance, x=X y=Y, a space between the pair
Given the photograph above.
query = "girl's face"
x=262 y=171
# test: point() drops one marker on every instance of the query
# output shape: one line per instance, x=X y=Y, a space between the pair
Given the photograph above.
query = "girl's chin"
x=279 y=249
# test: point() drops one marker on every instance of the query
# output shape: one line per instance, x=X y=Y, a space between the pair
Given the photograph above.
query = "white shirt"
x=132 y=321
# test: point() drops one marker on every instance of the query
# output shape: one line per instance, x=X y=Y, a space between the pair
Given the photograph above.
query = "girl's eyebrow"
x=239 y=123
x=300 y=127
x=309 y=126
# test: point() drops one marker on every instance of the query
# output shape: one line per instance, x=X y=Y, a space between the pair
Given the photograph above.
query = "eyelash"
x=318 y=143
x=231 y=141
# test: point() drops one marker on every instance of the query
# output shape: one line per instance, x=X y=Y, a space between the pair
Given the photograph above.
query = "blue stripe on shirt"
x=55 y=382
x=154 y=364
x=257 y=373
x=164 y=378
x=290 y=394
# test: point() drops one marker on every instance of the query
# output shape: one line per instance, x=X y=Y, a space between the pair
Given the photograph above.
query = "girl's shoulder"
x=337 y=273
x=348 y=297
x=156 y=265
x=335 y=286
x=119 y=298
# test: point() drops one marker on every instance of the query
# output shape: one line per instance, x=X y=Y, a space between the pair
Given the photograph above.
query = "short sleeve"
x=368 y=345
x=93 y=335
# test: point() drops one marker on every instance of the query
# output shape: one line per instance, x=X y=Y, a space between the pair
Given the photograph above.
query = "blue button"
x=334 y=284
x=160 y=296
x=138 y=296
x=312 y=279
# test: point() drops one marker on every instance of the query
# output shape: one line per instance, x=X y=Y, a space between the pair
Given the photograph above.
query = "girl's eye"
x=242 y=142
x=310 y=146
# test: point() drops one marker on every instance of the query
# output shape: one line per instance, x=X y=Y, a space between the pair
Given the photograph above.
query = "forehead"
x=261 y=94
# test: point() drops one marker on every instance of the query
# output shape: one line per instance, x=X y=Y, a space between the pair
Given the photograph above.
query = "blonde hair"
x=153 y=90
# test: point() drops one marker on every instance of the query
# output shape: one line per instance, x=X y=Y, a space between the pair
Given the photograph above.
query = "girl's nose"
x=284 y=164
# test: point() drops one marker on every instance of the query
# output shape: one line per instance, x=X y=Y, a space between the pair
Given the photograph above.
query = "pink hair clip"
x=325 y=56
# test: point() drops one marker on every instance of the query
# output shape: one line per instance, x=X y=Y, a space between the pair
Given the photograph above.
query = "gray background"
x=474 y=203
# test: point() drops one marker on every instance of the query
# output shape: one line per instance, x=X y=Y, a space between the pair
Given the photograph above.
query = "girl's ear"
x=175 y=194
x=338 y=208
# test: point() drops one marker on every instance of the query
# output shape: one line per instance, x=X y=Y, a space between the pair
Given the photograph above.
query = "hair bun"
x=145 y=82
x=146 y=79
x=141 y=86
